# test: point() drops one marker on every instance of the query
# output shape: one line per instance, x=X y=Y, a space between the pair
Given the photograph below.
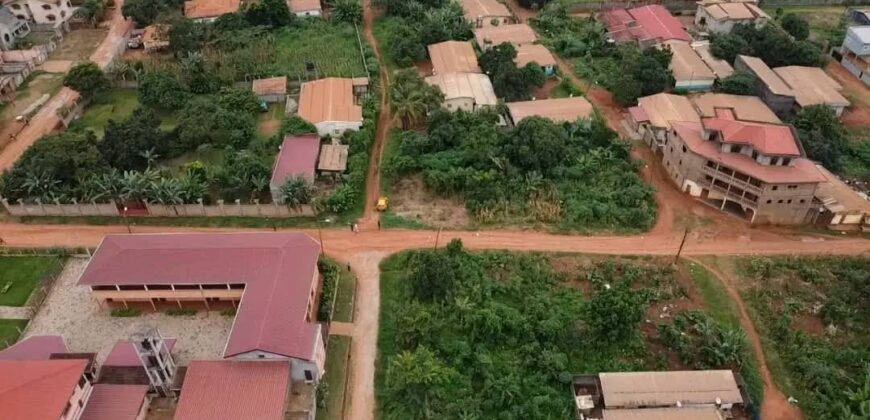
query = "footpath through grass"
x=20 y=276
x=335 y=379
x=9 y=331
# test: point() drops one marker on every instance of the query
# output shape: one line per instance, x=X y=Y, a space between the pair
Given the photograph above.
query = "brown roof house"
x=465 y=91
x=689 y=69
x=331 y=105
x=305 y=8
x=720 y=16
x=790 y=88
x=538 y=54
x=272 y=89
x=209 y=10
x=557 y=110
x=517 y=34
x=453 y=57
x=483 y=13
x=652 y=116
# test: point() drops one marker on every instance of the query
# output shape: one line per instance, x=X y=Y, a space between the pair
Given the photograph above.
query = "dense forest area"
x=574 y=176
x=499 y=335
x=815 y=313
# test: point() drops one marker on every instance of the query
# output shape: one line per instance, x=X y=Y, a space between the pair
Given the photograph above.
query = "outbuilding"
x=273 y=89
x=331 y=105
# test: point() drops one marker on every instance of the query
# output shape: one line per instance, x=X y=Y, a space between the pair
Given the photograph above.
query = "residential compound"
x=483 y=13
x=733 y=152
x=333 y=104
x=720 y=16
x=46 y=12
x=856 y=52
x=788 y=89
x=675 y=395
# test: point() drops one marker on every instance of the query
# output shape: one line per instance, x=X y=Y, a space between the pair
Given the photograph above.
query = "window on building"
x=802 y=201
x=779 y=202
x=769 y=201
x=51 y=17
x=63 y=13
x=735 y=148
x=46 y=7
x=68 y=4
x=16 y=6
x=684 y=149
x=754 y=155
x=789 y=201
x=786 y=161
x=261 y=356
x=7 y=38
x=681 y=162
x=309 y=376
x=792 y=187
x=775 y=188
x=21 y=17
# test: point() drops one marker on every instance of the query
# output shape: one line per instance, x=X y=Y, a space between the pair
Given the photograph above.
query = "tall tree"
x=274 y=13
x=348 y=11
x=411 y=97
x=143 y=12
x=796 y=26
x=822 y=135
x=87 y=79
x=161 y=90
x=740 y=83
x=127 y=145
x=510 y=82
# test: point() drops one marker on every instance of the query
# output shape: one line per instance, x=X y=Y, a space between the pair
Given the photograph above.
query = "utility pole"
x=437 y=235
x=127 y=222
x=683 y=242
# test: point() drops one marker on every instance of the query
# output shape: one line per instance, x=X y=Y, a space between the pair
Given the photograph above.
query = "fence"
x=57 y=209
x=227 y=210
x=684 y=5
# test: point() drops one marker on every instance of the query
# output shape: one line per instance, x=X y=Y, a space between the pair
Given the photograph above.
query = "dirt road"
x=858 y=114
x=775 y=405
x=46 y=120
x=385 y=122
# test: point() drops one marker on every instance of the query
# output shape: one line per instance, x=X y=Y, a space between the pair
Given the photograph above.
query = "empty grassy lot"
x=337 y=350
x=9 y=331
x=333 y=48
x=24 y=274
x=117 y=105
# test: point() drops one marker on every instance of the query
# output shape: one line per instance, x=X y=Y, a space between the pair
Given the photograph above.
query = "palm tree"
x=119 y=69
x=150 y=157
x=192 y=189
x=258 y=185
x=41 y=185
x=296 y=192
x=137 y=185
x=408 y=106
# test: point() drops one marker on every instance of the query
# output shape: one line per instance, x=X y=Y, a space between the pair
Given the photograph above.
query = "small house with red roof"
x=296 y=158
x=646 y=25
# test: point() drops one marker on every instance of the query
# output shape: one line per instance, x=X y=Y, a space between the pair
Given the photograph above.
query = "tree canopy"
x=510 y=82
x=86 y=78
x=822 y=135
x=131 y=143
x=740 y=83
x=161 y=90
x=796 y=26
x=770 y=43
x=411 y=98
x=348 y=11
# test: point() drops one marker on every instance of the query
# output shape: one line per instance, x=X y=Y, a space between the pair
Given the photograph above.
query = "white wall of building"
x=43 y=11
x=336 y=128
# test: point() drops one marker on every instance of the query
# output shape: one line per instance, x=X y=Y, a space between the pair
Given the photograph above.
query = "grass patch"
x=827 y=23
x=20 y=276
x=126 y=312
x=334 y=49
x=385 y=29
x=228 y=312
x=566 y=89
x=390 y=220
x=9 y=331
x=118 y=105
x=181 y=312
x=344 y=301
x=335 y=378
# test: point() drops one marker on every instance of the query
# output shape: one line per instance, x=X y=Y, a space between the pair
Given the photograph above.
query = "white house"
x=465 y=91
x=720 y=16
x=48 y=12
x=305 y=8
x=11 y=28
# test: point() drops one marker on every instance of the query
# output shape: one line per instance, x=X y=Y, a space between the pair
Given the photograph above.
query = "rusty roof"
x=201 y=9
x=277 y=269
x=329 y=99
x=333 y=157
x=475 y=9
x=766 y=75
x=115 y=402
x=270 y=86
x=232 y=390
x=662 y=108
x=465 y=85
x=812 y=86
x=557 y=110
x=303 y=5
x=516 y=34
x=453 y=57
x=686 y=64
x=745 y=108
x=537 y=53
x=651 y=389
x=37 y=389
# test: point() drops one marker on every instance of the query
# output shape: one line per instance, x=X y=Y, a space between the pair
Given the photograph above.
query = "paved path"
x=341 y=328
x=15 y=312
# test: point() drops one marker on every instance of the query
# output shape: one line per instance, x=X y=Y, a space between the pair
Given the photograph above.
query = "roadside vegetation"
x=771 y=43
x=576 y=177
x=10 y=330
x=330 y=390
x=625 y=70
x=20 y=276
x=814 y=317
x=498 y=334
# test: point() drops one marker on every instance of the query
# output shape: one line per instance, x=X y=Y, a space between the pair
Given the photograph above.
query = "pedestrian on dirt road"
x=351 y=227
x=379 y=225
x=2 y=242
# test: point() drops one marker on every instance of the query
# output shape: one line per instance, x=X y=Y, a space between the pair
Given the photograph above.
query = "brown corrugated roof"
x=115 y=402
x=329 y=99
x=766 y=75
x=812 y=86
x=557 y=110
x=686 y=64
x=475 y=9
x=636 y=389
x=745 y=108
x=270 y=86
x=453 y=57
x=303 y=5
x=684 y=413
x=37 y=389
x=333 y=157
x=517 y=34
x=232 y=390
x=124 y=353
x=719 y=66
x=662 y=108
x=537 y=53
x=199 y=9
x=465 y=85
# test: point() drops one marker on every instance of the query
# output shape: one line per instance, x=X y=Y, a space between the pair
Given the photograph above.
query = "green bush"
x=330 y=273
x=181 y=312
x=126 y=312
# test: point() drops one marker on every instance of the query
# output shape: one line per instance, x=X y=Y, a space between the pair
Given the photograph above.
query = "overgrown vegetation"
x=181 y=312
x=575 y=176
x=330 y=273
x=770 y=43
x=822 y=135
x=739 y=83
x=498 y=334
x=510 y=82
x=625 y=69
x=415 y=24
x=126 y=312
x=814 y=313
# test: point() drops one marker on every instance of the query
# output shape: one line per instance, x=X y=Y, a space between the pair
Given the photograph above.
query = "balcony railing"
x=731 y=179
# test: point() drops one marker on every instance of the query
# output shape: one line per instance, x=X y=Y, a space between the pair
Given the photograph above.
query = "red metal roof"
x=643 y=23
x=638 y=114
x=232 y=390
x=766 y=138
x=298 y=156
x=37 y=389
x=802 y=170
x=277 y=268
x=37 y=347
x=124 y=354
x=115 y=402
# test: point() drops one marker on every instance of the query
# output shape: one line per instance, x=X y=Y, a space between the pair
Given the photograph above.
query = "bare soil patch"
x=810 y=324
x=411 y=200
x=79 y=44
x=546 y=91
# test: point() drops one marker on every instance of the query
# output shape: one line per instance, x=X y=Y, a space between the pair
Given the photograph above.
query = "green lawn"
x=344 y=301
x=9 y=331
x=827 y=23
x=337 y=350
x=25 y=275
x=117 y=104
x=333 y=48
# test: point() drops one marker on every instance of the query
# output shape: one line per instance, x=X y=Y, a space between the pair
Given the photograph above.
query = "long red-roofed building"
x=43 y=389
x=271 y=278
x=646 y=25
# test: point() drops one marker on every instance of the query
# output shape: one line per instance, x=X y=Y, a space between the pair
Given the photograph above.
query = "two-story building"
x=11 y=28
x=856 y=52
x=483 y=13
x=44 y=12
x=720 y=16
